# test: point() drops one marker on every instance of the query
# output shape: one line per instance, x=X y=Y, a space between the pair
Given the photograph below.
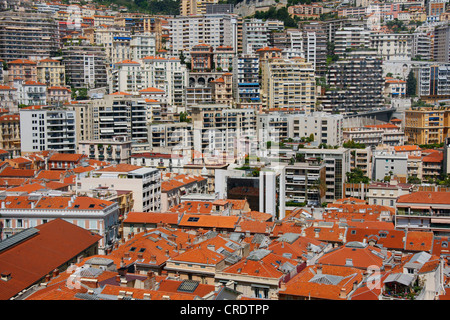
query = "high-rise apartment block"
x=27 y=35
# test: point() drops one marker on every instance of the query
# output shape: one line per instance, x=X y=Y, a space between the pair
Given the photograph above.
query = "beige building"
x=117 y=150
x=10 y=134
x=427 y=125
x=288 y=83
x=194 y=7
x=51 y=72
x=222 y=91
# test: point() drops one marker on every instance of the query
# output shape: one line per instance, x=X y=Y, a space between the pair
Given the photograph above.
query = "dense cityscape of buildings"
x=216 y=155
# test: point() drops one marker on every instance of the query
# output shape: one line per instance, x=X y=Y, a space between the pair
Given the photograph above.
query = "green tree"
x=411 y=84
x=356 y=175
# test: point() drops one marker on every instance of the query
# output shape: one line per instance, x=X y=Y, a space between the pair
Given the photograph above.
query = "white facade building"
x=47 y=129
x=145 y=184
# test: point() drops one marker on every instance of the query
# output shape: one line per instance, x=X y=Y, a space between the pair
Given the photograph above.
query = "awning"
x=440 y=220
x=420 y=208
x=402 y=278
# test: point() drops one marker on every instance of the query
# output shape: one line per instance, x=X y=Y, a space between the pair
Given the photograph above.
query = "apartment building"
x=288 y=83
x=427 y=125
x=423 y=211
x=441 y=44
x=22 y=69
x=433 y=81
x=246 y=86
x=144 y=183
x=218 y=128
x=223 y=58
x=173 y=136
x=375 y=135
x=119 y=114
x=117 y=150
x=306 y=11
x=337 y=163
x=142 y=45
x=215 y=30
x=195 y=7
x=273 y=127
x=349 y=38
x=326 y=128
x=222 y=89
x=201 y=57
x=30 y=92
x=388 y=164
x=255 y=35
x=356 y=83
x=422 y=45
x=84 y=63
x=10 y=134
x=8 y=98
x=166 y=74
x=305 y=182
x=392 y=45
x=58 y=95
x=394 y=88
x=315 y=43
x=362 y=159
x=27 y=35
x=386 y=193
x=47 y=129
x=98 y=216
x=51 y=72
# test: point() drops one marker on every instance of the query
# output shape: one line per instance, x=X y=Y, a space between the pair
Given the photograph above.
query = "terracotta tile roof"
x=67 y=157
x=257 y=216
x=88 y=203
x=55 y=175
x=391 y=239
x=154 y=294
x=255 y=226
x=425 y=197
x=123 y=167
x=10 y=172
x=286 y=227
x=127 y=62
x=306 y=285
x=299 y=248
x=151 y=89
x=22 y=61
x=55 y=243
x=6 y=88
x=407 y=148
x=268 y=49
x=434 y=157
x=201 y=255
x=30 y=187
x=171 y=185
x=209 y=221
x=151 y=218
x=361 y=257
x=201 y=290
x=237 y=204
x=266 y=267
x=201 y=207
x=329 y=232
x=419 y=241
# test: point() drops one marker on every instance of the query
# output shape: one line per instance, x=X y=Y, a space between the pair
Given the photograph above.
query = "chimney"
x=342 y=294
x=55 y=273
x=211 y=247
x=6 y=276
x=147 y=296
x=319 y=269
x=282 y=286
